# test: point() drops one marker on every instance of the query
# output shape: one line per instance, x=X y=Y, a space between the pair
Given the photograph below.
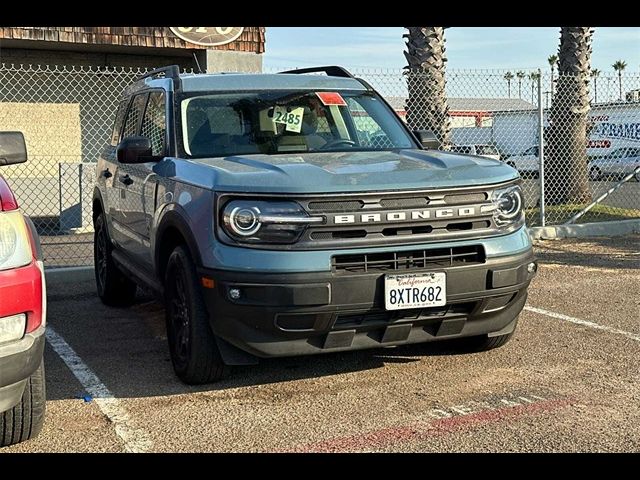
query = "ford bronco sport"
x=289 y=214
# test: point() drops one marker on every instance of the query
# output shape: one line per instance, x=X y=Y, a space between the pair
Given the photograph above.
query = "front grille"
x=409 y=260
x=376 y=219
x=410 y=202
x=337 y=206
x=465 y=198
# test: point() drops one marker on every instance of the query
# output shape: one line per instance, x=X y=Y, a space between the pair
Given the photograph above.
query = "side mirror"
x=427 y=139
x=134 y=150
x=12 y=148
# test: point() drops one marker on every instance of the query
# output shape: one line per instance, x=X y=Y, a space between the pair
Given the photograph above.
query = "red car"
x=22 y=311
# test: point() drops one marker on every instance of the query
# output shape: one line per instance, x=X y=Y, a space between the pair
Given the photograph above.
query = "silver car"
x=617 y=163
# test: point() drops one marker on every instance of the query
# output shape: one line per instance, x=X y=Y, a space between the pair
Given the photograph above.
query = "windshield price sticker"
x=292 y=119
x=331 y=98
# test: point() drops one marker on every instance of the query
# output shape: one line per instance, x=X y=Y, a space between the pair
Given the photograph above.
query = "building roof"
x=470 y=104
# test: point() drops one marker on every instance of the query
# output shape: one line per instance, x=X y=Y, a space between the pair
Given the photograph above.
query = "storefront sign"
x=207 y=36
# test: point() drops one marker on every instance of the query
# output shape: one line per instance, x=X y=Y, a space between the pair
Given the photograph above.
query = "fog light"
x=234 y=293
x=12 y=328
x=532 y=267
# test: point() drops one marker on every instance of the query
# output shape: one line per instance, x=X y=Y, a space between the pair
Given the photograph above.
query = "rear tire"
x=194 y=351
x=25 y=420
x=114 y=288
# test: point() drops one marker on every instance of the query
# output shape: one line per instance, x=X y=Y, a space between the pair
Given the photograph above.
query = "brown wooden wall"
x=251 y=40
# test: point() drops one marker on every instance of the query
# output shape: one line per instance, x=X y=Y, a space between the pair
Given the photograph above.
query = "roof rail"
x=331 y=70
x=170 y=71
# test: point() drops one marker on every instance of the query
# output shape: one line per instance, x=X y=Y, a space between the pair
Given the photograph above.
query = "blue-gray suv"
x=295 y=213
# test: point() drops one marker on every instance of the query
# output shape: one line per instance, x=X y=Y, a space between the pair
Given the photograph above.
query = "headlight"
x=508 y=203
x=260 y=221
x=15 y=248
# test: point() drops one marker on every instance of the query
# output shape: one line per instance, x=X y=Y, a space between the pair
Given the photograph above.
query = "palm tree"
x=533 y=76
x=619 y=66
x=508 y=77
x=553 y=61
x=595 y=73
x=520 y=74
x=427 y=106
x=566 y=157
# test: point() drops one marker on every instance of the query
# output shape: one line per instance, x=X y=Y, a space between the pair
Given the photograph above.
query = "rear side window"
x=134 y=115
x=117 y=126
x=154 y=123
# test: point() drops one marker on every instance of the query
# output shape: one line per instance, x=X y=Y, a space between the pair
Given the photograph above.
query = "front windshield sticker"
x=292 y=118
x=331 y=98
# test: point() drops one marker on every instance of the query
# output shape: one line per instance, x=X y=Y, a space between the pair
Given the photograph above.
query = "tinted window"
x=136 y=109
x=154 y=123
x=117 y=126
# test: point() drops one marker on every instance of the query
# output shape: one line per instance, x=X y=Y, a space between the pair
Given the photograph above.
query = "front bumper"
x=18 y=361
x=309 y=313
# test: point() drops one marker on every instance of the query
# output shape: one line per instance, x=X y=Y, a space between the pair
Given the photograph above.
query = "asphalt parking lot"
x=568 y=381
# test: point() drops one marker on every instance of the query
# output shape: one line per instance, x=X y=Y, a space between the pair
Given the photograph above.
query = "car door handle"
x=107 y=174
x=126 y=179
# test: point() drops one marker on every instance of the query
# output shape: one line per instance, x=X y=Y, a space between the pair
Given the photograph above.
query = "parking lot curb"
x=60 y=275
x=600 y=229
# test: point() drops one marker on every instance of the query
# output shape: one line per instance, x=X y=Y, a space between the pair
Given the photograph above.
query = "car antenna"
x=195 y=57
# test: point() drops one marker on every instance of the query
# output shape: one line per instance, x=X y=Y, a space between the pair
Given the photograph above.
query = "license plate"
x=415 y=290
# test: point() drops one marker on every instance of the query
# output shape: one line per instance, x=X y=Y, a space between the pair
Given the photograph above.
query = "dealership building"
x=217 y=48
x=60 y=86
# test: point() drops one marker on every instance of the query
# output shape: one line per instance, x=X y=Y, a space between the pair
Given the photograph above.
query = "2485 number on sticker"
x=292 y=119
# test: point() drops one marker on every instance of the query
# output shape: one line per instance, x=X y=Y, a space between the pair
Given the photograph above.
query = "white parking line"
x=586 y=323
x=135 y=440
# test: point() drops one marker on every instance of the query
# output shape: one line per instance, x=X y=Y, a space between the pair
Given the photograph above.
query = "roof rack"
x=170 y=71
x=331 y=70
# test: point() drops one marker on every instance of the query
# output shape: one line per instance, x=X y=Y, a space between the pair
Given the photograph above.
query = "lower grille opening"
x=409 y=260
x=412 y=315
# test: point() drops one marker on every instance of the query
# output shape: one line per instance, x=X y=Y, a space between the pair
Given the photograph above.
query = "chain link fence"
x=591 y=152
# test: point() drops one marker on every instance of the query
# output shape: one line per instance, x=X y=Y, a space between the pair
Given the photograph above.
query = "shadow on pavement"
x=127 y=350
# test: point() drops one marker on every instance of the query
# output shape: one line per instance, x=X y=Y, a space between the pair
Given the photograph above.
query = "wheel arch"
x=173 y=230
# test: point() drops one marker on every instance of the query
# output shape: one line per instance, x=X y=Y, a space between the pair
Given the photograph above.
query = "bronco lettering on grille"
x=404 y=216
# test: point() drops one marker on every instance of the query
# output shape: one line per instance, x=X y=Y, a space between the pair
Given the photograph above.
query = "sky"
x=500 y=48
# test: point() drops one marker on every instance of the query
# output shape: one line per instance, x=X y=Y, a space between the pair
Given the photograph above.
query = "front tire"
x=483 y=343
x=25 y=420
x=114 y=288
x=194 y=351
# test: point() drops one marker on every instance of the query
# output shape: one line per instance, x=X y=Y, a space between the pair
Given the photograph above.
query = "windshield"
x=288 y=121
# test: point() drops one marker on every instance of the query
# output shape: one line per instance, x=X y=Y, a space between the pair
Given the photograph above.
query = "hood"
x=334 y=172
